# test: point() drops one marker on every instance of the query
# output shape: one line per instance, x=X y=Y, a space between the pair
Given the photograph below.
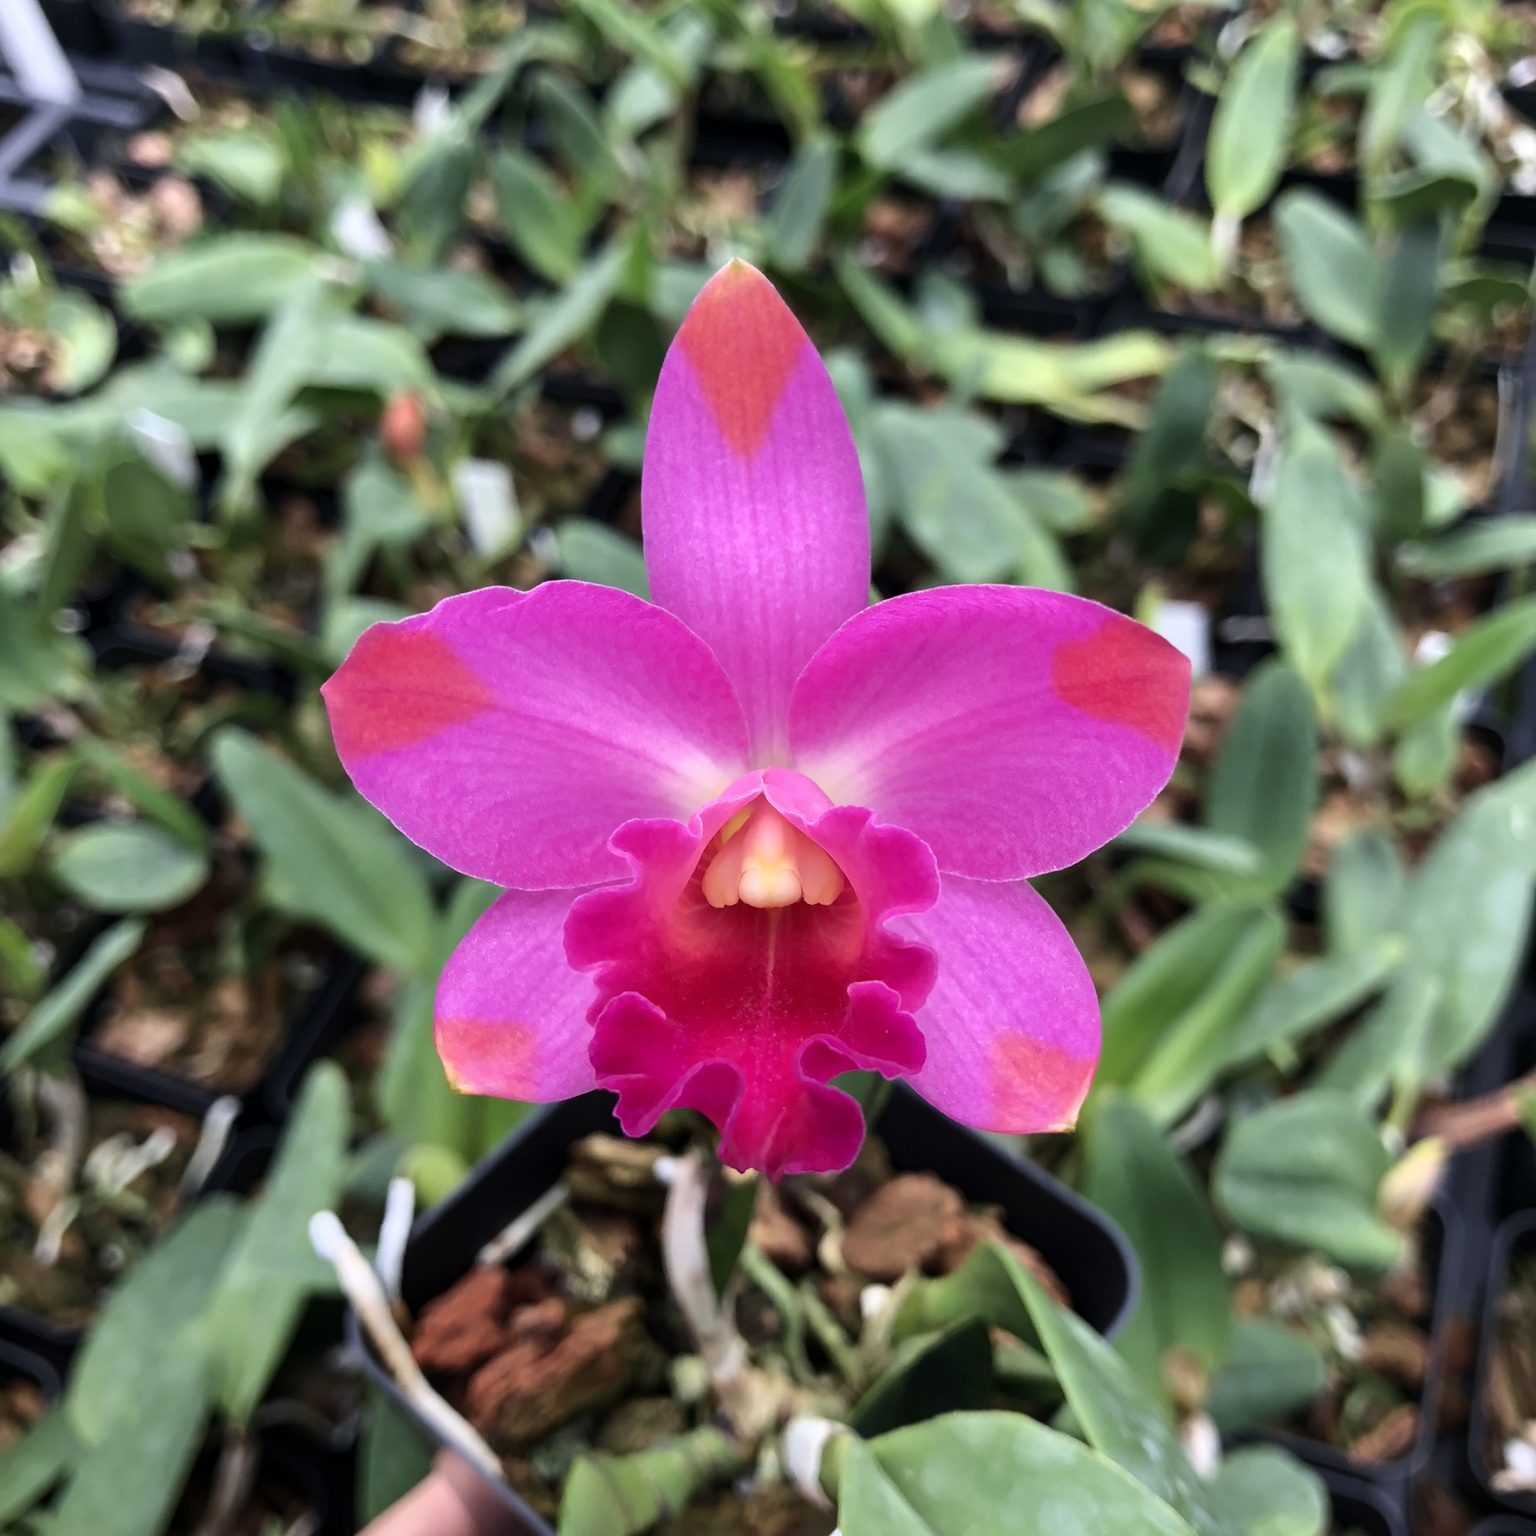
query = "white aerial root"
x=363 y=1289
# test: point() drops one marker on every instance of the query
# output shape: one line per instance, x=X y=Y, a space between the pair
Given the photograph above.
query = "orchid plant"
x=761 y=833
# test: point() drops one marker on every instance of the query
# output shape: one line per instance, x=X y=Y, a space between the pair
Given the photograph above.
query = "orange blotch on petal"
x=742 y=343
x=1036 y=1086
x=1126 y=674
x=397 y=688
x=490 y=1056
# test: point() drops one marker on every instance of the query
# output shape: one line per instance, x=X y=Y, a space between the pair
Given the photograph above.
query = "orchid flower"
x=760 y=833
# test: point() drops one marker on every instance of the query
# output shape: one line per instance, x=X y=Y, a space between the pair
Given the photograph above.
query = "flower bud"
x=403 y=428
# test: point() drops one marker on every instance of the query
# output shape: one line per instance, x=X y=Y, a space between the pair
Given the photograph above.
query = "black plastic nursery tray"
x=1362 y=1510
x=1444 y=1249
x=1516 y=1238
x=1080 y=1244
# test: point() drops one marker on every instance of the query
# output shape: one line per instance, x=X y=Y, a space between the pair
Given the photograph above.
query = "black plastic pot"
x=1444 y=1251
x=1360 y=1508
x=1081 y=1244
x=17 y=1360
x=326 y=1017
x=1515 y=1238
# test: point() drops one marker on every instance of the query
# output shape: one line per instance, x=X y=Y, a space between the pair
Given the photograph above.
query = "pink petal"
x=756 y=534
x=1013 y=730
x=511 y=1013
x=745 y=1014
x=509 y=733
x=1012 y=1022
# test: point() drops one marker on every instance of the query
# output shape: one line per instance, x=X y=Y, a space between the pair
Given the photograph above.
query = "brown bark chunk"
x=555 y=1367
x=902 y=1226
x=464 y=1326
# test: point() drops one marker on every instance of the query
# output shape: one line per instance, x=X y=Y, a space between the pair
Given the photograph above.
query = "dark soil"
x=112 y=1224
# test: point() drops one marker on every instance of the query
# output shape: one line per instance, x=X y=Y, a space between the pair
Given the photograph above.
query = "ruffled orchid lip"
x=746 y=1008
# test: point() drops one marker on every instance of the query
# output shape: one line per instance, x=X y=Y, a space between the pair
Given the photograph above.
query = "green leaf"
x=625 y=1495
x=392 y=1457
x=244 y=161
x=1190 y=1046
x=1271 y=1372
x=61 y=1009
x=1315 y=555
x=272 y=1270
x=1470 y=907
x=444 y=302
x=955 y=1475
x=1484 y=652
x=727 y=1234
x=1387 y=1045
x=1251 y=128
x=1309 y=384
x=1497 y=544
x=1172 y=245
x=1315 y=993
x=131 y=1484
x=945 y=1372
x=329 y=860
x=1178 y=979
x=1157 y=501
x=1182 y=1314
x=1115 y=1412
x=1363 y=892
x=538 y=216
x=33 y=1465
x=155 y=801
x=291 y=350
x=562 y=321
x=956 y=508
x=1264 y=1491
x=1305 y=1171
x=411 y=1090
x=1369 y=672
x=592 y=551
x=41 y=664
x=1263 y=787
x=147 y=516
x=1425 y=754
x=799 y=212
x=31 y=811
x=1069 y=379
x=126 y=867
x=924 y=107
x=371 y=356
x=85 y=339
x=1096 y=120
x=231 y=279
x=431 y=206
x=1409 y=294
x=1401 y=82
x=1198 y=846
x=147 y=1338
x=1335 y=274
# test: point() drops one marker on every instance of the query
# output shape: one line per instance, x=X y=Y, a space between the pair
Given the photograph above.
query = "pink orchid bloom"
x=761 y=833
